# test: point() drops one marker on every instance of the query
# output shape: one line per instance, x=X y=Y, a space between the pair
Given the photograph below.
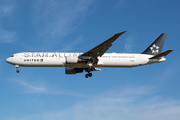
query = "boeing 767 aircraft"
x=90 y=60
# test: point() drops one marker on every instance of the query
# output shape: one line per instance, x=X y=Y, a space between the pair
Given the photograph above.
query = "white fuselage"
x=39 y=59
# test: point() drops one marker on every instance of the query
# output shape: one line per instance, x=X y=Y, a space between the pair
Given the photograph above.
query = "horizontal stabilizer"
x=161 y=54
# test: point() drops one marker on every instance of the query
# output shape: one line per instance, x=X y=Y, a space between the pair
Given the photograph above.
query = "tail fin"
x=156 y=47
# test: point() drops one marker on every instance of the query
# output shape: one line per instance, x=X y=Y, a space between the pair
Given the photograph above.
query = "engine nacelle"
x=71 y=59
x=69 y=70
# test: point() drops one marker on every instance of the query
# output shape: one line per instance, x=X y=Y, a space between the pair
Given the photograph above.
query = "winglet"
x=120 y=33
x=161 y=55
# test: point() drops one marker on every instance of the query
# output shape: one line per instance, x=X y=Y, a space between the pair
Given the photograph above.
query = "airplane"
x=92 y=59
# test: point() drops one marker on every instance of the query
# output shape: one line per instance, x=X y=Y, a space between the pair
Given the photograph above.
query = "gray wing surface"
x=99 y=50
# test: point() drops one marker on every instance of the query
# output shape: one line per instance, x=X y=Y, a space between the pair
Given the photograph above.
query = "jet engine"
x=69 y=70
x=71 y=59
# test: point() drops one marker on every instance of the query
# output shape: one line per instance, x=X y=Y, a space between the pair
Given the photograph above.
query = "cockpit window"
x=12 y=55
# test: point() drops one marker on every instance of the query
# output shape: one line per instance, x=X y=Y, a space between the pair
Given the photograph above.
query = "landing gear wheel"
x=86 y=75
x=90 y=74
x=17 y=68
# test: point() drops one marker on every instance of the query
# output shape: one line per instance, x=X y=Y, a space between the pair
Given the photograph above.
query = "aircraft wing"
x=99 y=50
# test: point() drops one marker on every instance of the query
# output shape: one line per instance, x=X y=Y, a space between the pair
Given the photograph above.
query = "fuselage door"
x=20 y=56
x=138 y=59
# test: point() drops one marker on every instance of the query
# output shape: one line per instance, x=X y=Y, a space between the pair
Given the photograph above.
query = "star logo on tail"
x=154 y=49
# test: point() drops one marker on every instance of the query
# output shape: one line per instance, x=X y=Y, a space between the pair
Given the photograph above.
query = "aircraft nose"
x=8 y=60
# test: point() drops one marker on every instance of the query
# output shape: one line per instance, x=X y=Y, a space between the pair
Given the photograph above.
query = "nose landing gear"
x=17 y=68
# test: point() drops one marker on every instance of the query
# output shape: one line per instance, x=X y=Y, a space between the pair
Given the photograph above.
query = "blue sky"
x=147 y=92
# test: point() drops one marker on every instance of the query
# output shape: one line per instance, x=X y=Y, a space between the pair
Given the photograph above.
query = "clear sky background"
x=143 y=93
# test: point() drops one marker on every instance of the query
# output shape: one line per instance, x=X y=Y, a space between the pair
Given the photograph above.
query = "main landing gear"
x=88 y=75
x=17 y=68
x=88 y=72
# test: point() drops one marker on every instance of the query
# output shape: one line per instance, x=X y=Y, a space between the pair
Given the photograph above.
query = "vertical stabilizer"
x=156 y=47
